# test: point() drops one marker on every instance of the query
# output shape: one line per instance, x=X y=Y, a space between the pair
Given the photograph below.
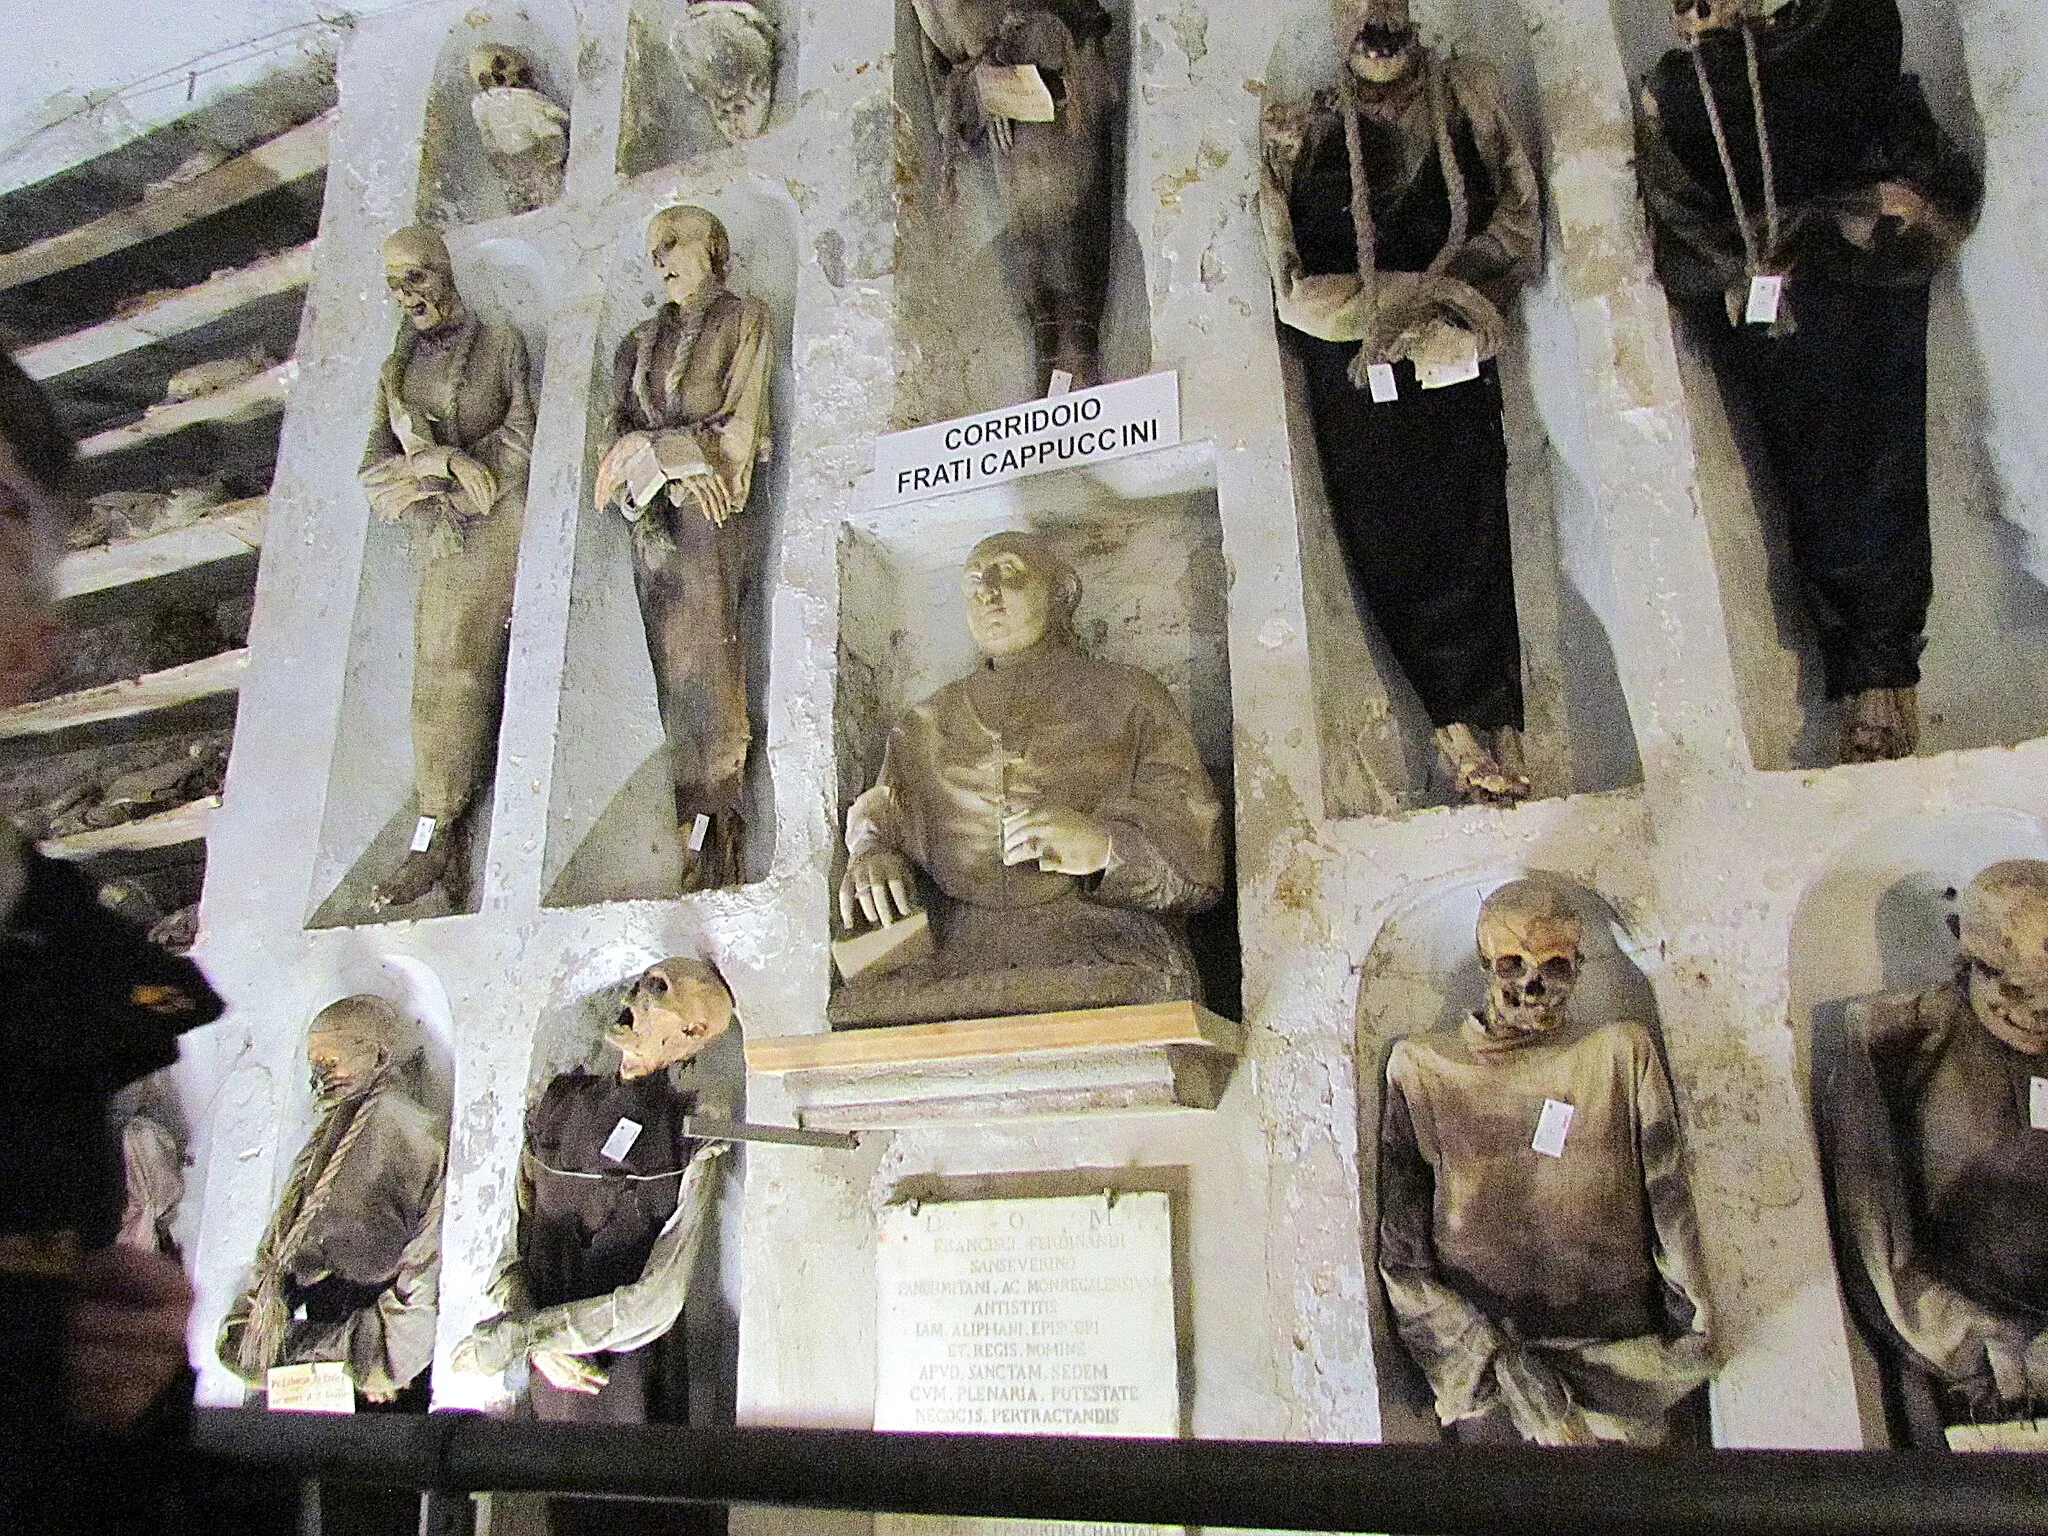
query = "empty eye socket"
x=1508 y=967
x=1560 y=968
x=657 y=984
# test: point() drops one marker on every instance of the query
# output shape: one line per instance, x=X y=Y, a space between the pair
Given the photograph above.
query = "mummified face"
x=689 y=249
x=1698 y=18
x=496 y=65
x=675 y=1009
x=421 y=279
x=1529 y=938
x=2005 y=945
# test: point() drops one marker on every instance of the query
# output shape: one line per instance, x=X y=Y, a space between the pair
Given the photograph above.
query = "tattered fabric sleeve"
x=1501 y=257
x=1944 y=1329
x=384 y=443
x=1699 y=244
x=391 y=1343
x=508 y=447
x=738 y=438
x=1451 y=1339
x=639 y=1313
x=1166 y=829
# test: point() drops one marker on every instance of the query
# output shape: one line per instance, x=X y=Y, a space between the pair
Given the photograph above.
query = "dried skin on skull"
x=1530 y=938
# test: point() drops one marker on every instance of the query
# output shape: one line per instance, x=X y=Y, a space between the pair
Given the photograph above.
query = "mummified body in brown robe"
x=702 y=370
x=1055 y=727
x=463 y=386
x=1510 y=1271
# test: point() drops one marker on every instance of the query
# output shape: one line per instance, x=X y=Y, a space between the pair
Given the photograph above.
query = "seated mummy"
x=1536 y=1236
x=1057 y=805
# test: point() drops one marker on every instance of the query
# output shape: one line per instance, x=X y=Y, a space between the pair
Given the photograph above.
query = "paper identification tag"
x=322 y=1387
x=1015 y=91
x=2037 y=1103
x=1764 y=293
x=621 y=1140
x=1552 y=1126
x=1379 y=380
x=1061 y=382
x=423 y=834
x=699 y=830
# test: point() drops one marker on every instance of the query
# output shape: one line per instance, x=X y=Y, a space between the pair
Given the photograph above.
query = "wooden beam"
x=903 y=1045
x=233 y=528
x=186 y=823
x=252 y=397
x=211 y=678
x=272 y=164
x=174 y=314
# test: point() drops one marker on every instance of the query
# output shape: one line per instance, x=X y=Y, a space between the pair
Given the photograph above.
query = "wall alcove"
x=1985 y=669
x=671 y=45
x=1423 y=975
x=371 y=808
x=1378 y=755
x=612 y=832
x=457 y=182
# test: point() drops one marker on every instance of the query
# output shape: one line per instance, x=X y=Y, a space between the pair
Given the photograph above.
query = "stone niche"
x=1378 y=755
x=664 y=117
x=963 y=342
x=371 y=809
x=1985 y=670
x=1877 y=920
x=457 y=183
x=1423 y=974
x=612 y=832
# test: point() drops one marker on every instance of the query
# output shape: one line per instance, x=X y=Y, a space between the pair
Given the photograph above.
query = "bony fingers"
x=867 y=904
x=900 y=890
x=846 y=906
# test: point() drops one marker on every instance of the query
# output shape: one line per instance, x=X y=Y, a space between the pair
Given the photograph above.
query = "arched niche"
x=674 y=50
x=1985 y=669
x=963 y=341
x=1379 y=756
x=1877 y=919
x=457 y=182
x=612 y=833
x=1423 y=975
x=371 y=809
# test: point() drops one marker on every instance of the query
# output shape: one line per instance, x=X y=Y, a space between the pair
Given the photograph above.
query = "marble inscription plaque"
x=1028 y=1317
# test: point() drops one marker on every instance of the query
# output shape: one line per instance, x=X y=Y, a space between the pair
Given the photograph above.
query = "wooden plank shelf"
x=272 y=164
x=182 y=824
x=252 y=397
x=213 y=677
x=231 y=529
x=172 y=315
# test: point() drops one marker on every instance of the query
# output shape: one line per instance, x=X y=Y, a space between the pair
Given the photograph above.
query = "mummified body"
x=1400 y=213
x=1842 y=185
x=1937 y=1135
x=1031 y=81
x=526 y=136
x=1058 y=804
x=613 y=1198
x=349 y=1268
x=690 y=405
x=1545 y=1276
x=449 y=456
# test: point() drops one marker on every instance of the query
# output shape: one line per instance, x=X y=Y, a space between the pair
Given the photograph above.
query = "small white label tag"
x=621 y=1140
x=1379 y=380
x=1062 y=383
x=699 y=830
x=423 y=833
x=1764 y=292
x=1552 y=1126
x=2037 y=1104
x=322 y=1387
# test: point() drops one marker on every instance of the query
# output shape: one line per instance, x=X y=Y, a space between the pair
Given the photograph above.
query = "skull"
x=1529 y=938
x=2004 y=932
x=349 y=1041
x=1378 y=39
x=675 y=1009
x=690 y=251
x=727 y=53
x=421 y=278
x=496 y=65
x=1700 y=18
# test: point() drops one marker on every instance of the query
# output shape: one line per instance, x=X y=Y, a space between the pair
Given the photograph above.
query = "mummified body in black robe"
x=1418 y=483
x=1864 y=198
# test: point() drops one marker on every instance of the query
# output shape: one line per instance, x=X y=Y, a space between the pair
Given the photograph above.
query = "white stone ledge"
x=213 y=677
x=235 y=528
x=252 y=397
x=186 y=823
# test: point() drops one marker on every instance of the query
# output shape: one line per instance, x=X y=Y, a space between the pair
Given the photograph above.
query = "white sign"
x=2037 y=1103
x=320 y=1387
x=1088 y=426
x=1552 y=1126
x=1028 y=1317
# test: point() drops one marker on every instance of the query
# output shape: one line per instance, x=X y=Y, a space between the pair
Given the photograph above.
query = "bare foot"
x=1482 y=773
x=716 y=862
x=417 y=874
x=1880 y=725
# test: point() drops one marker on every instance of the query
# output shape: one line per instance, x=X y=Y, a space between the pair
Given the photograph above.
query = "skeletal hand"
x=1904 y=202
x=1061 y=841
x=611 y=469
x=878 y=883
x=1538 y=1399
x=709 y=493
x=998 y=133
x=571 y=1373
x=491 y=1346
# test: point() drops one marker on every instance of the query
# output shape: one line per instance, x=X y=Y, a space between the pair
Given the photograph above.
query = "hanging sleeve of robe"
x=1417 y=485
x=705 y=373
x=1493 y=1253
x=467 y=390
x=1838 y=389
x=1941 y=1189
